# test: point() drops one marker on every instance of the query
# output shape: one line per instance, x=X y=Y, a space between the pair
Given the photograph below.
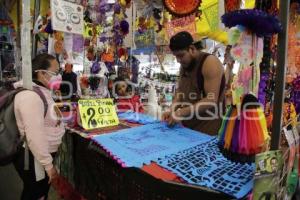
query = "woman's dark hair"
x=41 y=62
x=117 y=80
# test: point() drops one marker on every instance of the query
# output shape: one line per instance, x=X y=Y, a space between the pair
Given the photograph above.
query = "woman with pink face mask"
x=38 y=119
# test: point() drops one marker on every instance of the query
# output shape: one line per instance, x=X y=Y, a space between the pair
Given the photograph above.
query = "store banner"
x=144 y=39
x=67 y=17
x=97 y=113
x=181 y=24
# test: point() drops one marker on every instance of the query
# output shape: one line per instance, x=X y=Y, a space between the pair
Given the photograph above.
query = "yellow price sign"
x=97 y=113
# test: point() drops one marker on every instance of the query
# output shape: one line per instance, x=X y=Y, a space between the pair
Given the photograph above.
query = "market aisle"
x=10 y=183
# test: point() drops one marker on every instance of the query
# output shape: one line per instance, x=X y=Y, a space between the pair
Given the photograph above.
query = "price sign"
x=97 y=113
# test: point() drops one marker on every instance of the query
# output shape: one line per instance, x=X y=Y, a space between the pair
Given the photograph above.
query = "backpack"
x=10 y=138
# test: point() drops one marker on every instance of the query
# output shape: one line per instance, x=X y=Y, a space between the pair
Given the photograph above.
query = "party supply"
x=248 y=51
x=232 y=5
x=67 y=17
x=264 y=77
x=244 y=134
x=78 y=43
x=137 y=146
x=234 y=35
x=224 y=125
x=182 y=7
x=205 y=165
x=295 y=94
x=259 y=22
x=135 y=117
x=124 y=25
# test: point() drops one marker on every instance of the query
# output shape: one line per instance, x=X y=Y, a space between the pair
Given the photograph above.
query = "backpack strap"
x=41 y=94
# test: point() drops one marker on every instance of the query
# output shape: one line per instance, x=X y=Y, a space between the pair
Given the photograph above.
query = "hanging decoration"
x=105 y=30
x=232 y=5
x=144 y=39
x=244 y=134
x=257 y=21
x=207 y=22
x=295 y=94
x=244 y=130
x=78 y=43
x=248 y=51
x=143 y=24
x=265 y=92
x=293 y=69
x=181 y=24
x=182 y=7
x=67 y=17
x=246 y=37
x=289 y=113
x=263 y=87
x=58 y=43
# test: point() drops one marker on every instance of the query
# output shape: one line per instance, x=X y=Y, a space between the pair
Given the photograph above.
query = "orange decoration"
x=182 y=7
x=108 y=55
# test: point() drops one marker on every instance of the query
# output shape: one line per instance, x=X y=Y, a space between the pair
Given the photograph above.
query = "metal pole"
x=37 y=7
x=280 y=74
x=26 y=44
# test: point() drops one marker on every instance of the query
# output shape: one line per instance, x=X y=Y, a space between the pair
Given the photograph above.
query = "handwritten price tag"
x=97 y=113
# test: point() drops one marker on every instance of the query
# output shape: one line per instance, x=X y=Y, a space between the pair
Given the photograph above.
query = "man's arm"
x=174 y=106
x=212 y=72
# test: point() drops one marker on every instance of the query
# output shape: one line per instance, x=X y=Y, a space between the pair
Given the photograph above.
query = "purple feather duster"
x=257 y=21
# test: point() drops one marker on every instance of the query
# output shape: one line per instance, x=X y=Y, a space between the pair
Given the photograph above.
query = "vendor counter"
x=87 y=171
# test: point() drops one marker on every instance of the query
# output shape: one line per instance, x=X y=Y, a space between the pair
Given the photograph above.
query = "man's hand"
x=165 y=116
x=52 y=174
x=172 y=117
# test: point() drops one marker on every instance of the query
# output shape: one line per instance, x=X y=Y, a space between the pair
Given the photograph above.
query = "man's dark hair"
x=199 y=45
x=41 y=62
x=181 y=41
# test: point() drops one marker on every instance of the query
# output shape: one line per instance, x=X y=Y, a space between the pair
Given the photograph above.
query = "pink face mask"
x=55 y=82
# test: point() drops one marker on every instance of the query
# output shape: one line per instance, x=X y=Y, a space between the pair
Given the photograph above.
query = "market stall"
x=116 y=147
x=107 y=179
